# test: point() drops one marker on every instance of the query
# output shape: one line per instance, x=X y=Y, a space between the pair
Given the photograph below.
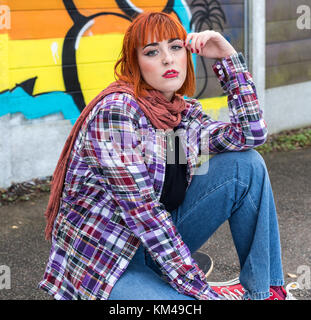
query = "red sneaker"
x=279 y=293
x=230 y=290
x=233 y=290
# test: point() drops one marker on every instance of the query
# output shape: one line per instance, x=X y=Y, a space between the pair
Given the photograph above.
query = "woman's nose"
x=167 y=58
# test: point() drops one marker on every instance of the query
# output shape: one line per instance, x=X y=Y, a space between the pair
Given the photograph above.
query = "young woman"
x=125 y=213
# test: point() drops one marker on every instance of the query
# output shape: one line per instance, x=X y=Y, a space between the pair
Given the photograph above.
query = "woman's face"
x=163 y=65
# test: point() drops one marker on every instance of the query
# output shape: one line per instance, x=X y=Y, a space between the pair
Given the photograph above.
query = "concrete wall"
x=51 y=68
x=30 y=148
x=288 y=107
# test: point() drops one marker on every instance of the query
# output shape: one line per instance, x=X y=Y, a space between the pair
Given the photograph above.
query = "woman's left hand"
x=209 y=44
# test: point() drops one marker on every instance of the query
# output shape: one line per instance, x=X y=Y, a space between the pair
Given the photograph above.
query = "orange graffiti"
x=37 y=19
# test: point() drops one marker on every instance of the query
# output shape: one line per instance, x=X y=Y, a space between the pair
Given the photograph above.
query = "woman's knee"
x=250 y=156
x=241 y=164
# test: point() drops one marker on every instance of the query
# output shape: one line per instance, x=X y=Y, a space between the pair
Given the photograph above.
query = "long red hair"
x=159 y=26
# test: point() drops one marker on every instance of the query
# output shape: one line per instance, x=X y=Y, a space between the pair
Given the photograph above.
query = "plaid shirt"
x=110 y=203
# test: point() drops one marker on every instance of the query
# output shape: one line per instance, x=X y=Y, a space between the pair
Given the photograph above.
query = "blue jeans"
x=236 y=188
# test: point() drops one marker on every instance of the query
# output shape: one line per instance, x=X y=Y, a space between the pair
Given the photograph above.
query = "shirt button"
x=220 y=72
x=218 y=66
x=235 y=96
x=179 y=281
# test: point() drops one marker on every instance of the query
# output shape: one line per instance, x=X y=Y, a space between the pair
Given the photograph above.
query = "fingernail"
x=191 y=50
x=197 y=50
x=201 y=44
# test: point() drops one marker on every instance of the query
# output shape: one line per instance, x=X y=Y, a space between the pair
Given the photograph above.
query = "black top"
x=175 y=182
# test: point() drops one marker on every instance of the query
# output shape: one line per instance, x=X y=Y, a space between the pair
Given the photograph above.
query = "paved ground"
x=24 y=250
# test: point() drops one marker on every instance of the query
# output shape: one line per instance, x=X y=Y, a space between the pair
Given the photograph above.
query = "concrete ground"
x=290 y=176
x=24 y=250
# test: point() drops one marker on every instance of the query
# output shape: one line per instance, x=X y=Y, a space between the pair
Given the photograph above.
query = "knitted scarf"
x=162 y=113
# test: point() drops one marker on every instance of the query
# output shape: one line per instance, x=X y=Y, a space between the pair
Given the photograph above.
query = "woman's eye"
x=151 y=53
x=176 y=47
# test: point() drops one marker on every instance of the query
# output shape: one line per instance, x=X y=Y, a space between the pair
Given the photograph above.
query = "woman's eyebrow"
x=157 y=43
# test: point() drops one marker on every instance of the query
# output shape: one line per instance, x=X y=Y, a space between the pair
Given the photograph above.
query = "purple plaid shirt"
x=110 y=203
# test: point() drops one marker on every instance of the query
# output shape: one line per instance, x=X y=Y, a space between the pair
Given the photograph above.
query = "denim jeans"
x=236 y=188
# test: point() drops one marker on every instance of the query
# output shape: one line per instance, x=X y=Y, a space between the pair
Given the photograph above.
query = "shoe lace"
x=229 y=295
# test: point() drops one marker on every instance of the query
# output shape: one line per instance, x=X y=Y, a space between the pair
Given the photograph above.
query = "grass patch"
x=287 y=140
x=24 y=191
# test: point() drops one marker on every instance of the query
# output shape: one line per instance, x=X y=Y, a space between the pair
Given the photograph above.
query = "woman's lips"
x=170 y=74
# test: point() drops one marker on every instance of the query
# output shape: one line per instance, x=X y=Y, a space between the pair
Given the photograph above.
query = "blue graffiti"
x=32 y=107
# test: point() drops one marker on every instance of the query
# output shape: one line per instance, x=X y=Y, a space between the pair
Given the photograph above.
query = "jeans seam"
x=251 y=282
x=249 y=195
x=277 y=282
x=257 y=295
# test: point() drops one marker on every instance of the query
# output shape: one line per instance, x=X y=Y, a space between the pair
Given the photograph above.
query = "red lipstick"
x=170 y=74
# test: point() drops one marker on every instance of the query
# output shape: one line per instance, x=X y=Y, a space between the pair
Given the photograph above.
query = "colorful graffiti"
x=55 y=56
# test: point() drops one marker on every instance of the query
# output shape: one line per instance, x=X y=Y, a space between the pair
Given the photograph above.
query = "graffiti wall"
x=56 y=55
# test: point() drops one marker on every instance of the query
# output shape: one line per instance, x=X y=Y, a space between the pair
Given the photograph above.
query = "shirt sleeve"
x=247 y=128
x=114 y=153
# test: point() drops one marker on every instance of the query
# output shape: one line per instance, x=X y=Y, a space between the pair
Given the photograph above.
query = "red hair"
x=159 y=26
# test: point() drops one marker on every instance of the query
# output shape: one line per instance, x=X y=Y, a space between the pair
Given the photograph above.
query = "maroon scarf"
x=162 y=113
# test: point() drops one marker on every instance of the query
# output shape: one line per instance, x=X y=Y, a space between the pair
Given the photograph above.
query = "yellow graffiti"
x=96 y=57
x=95 y=60
x=36 y=58
x=28 y=50
x=212 y=106
x=4 y=61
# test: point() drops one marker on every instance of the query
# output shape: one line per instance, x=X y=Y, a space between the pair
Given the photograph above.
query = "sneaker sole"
x=224 y=283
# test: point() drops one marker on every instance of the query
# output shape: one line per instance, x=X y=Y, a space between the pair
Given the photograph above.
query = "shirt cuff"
x=188 y=280
x=230 y=65
x=226 y=69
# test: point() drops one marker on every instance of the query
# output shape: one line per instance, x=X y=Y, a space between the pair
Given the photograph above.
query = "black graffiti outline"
x=69 y=62
x=210 y=14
